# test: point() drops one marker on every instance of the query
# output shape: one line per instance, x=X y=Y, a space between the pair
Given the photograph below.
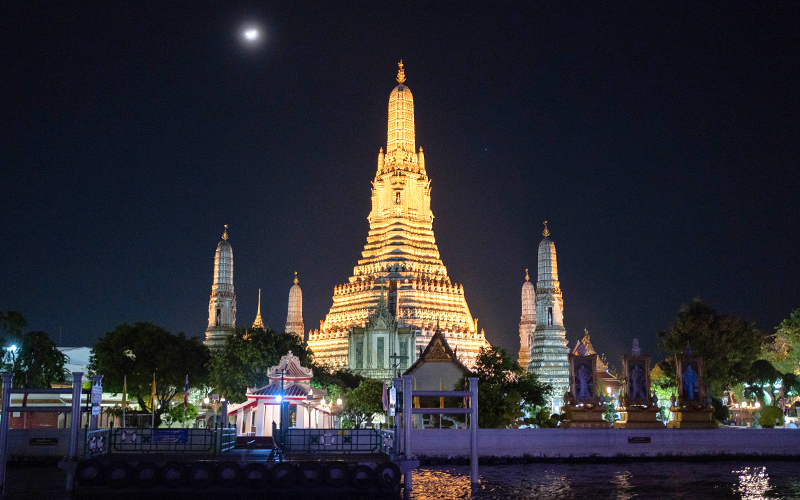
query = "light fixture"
x=339 y=401
x=758 y=405
x=279 y=398
x=323 y=402
x=608 y=390
x=12 y=348
x=206 y=400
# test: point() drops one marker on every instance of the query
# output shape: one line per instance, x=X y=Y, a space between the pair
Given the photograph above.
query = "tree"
x=336 y=382
x=505 y=391
x=664 y=389
x=137 y=352
x=176 y=414
x=39 y=363
x=246 y=357
x=35 y=359
x=728 y=345
x=363 y=401
x=12 y=326
x=782 y=349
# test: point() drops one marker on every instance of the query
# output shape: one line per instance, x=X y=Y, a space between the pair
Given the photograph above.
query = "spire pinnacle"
x=295 y=278
x=401 y=74
x=546 y=231
x=258 y=323
x=527 y=278
x=225 y=233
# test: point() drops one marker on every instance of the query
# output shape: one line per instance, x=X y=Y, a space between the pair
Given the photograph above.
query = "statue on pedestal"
x=691 y=409
x=639 y=409
x=583 y=408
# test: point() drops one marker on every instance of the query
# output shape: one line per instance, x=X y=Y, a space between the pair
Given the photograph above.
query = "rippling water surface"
x=647 y=480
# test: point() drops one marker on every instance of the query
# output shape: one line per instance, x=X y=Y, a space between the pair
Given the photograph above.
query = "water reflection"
x=647 y=480
x=753 y=483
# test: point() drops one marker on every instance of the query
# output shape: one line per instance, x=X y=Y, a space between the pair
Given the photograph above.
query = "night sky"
x=660 y=142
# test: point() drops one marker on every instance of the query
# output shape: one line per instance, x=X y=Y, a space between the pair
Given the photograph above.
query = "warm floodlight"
x=339 y=401
x=608 y=390
x=251 y=34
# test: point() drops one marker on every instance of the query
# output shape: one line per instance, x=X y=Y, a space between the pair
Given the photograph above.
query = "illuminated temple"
x=401 y=257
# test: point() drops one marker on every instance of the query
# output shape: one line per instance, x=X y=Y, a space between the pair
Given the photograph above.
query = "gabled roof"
x=274 y=389
x=438 y=351
x=290 y=366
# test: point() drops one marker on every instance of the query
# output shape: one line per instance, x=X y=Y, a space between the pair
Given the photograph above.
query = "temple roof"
x=290 y=366
x=438 y=351
x=290 y=390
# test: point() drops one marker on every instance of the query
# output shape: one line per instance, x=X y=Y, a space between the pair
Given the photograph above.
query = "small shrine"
x=289 y=385
x=582 y=406
x=639 y=408
x=691 y=410
x=437 y=368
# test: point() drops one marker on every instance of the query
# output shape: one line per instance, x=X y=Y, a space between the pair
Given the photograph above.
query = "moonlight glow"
x=251 y=34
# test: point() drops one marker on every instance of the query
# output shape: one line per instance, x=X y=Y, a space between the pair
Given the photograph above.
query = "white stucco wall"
x=565 y=443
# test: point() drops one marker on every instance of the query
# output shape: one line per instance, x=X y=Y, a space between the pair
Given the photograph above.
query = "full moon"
x=251 y=34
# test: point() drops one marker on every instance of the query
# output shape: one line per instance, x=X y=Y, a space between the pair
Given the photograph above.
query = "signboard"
x=639 y=440
x=95 y=410
x=97 y=394
x=391 y=410
x=171 y=436
x=43 y=441
x=393 y=396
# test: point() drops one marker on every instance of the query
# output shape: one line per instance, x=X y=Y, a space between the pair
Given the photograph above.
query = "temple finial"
x=225 y=233
x=401 y=74
x=295 y=278
x=527 y=278
x=546 y=231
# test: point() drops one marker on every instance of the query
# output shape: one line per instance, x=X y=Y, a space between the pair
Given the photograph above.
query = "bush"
x=770 y=417
x=721 y=412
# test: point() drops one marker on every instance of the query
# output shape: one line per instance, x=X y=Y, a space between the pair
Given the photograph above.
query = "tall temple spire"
x=222 y=304
x=400 y=135
x=258 y=323
x=549 y=354
x=294 y=315
x=527 y=323
x=401 y=252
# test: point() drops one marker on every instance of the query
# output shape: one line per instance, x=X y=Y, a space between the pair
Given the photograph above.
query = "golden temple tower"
x=401 y=255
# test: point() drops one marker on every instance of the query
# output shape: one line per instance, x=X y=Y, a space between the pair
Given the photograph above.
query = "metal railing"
x=96 y=442
x=228 y=440
x=319 y=441
x=143 y=440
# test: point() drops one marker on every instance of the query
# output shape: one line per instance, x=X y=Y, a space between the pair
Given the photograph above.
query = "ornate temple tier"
x=400 y=255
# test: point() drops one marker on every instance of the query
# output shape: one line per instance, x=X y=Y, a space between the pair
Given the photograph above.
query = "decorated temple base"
x=691 y=418
x=583 y=417
x=638 y=418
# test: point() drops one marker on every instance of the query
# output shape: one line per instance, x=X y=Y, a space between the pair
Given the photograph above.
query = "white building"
x=288 y=381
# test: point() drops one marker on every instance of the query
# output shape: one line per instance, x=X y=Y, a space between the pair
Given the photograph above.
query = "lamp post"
x=284 y=413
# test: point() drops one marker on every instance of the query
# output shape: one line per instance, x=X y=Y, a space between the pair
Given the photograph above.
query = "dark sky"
x=661 y=142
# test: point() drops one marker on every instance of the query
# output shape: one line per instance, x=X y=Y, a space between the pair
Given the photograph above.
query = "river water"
x=750 y=480
x=644 y=480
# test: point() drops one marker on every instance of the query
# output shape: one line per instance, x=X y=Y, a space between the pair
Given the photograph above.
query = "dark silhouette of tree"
x=138 y=351
x=728 y=345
